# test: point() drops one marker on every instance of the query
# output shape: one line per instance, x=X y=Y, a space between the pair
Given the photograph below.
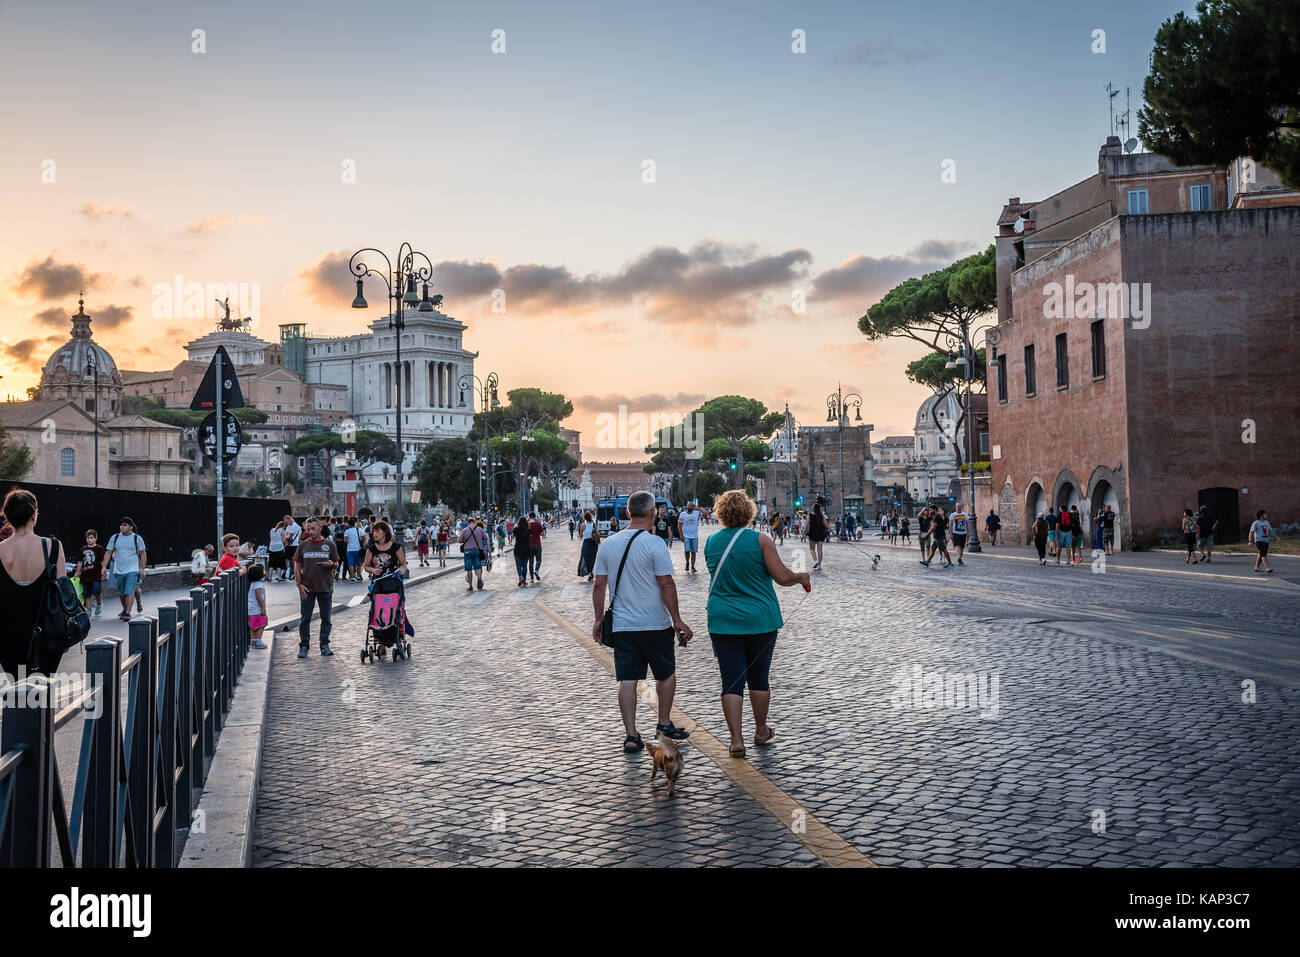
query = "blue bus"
x=607 y=508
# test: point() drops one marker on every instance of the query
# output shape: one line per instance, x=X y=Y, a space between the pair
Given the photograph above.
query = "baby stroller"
x=388 y=626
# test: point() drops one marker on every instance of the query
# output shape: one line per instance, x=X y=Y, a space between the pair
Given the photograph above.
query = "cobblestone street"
x=1114 y=730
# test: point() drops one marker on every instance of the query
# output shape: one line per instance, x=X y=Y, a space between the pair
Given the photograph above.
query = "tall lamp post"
x=486 y=391
x=523 y=428
x=93 y=368
x=837 y=411
x=412 y=267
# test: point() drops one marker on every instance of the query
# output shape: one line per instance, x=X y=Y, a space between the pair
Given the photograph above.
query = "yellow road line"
x=1156 y=634
x=817 y=837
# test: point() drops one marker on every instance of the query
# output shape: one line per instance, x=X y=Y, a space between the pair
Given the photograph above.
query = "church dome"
x=73 y=359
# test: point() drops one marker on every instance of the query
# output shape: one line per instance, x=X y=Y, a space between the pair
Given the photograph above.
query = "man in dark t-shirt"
x=1051 y=518
x=313 y=566
x=535 y=533
x=90 y=571
x=1205 y=526
x=662 y=527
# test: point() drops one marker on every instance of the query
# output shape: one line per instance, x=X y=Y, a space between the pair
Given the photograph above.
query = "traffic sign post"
x=220 y=391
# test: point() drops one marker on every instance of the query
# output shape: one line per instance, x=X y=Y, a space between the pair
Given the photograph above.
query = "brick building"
x=615 y=478
x=820 y=445
x=1149 y=328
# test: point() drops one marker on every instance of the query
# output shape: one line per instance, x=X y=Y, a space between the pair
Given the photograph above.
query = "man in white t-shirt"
x=292 y=532
x=125 y=559
x=688 y=525
x=1261 y=533
x=645 y=616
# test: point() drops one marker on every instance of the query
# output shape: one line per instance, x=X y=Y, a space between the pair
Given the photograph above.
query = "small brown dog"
x=667 y=758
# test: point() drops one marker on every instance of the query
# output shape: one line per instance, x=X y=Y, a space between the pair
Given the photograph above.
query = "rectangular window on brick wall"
x=1200 y=197
x=1062 y=362
x=1031 y=373
x=1002 y=378
x=1098 y=348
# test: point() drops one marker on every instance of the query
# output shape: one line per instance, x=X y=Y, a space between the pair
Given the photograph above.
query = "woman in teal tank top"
x=744 y=615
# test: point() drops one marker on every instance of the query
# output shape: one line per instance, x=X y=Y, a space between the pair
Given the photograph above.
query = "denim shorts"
x=692 y=544
x=473 y=559
x=354 y=558
x=126 y=583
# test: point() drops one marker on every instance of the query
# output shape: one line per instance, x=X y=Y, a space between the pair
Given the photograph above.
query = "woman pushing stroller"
x=385 y=562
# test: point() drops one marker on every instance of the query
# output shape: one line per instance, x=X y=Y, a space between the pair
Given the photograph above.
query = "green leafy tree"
x=939 y=304
x=931 y=371
x=16 y=459
x=444 y=473
x=1224 y=84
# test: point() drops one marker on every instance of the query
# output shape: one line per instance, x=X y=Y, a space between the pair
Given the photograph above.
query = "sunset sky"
x=775 y=172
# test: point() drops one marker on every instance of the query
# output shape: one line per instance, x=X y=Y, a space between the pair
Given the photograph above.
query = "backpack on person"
x=61 y=619
x=1065 y=520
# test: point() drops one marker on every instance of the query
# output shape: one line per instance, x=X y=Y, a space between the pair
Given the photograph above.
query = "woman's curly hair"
x=734 y=509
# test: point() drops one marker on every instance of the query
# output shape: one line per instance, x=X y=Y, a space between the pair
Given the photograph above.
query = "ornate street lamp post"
x=412 y=267
x=837 y=411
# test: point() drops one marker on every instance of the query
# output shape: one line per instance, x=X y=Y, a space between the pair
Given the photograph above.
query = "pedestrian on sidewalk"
x=474 y=543
x=1261 y=533
x=744 y=615
x=572 y=527
x=277 y=560
x=536 y=531
x=523 y=550
x=1052 y=519
x=688 y=523
x=905 y=529
x=818 y=532
x=1205 y=527
x=645 y=613
x=313 y=565
x=1108 y=530
x=991 y=525
x=90 y=571
x=959 y=531
x=1189 y=536
x=23 y=580
x=1076 y=533
x=257 y=616
x=1039 y=532
x=590 y=534
x=384 y=556
x=422 y=543
x=923 y=521
x=126 y=560
x=292 y=536
x=440 y=543
x=1064 y=536
x=938 y=538
x=341 y=548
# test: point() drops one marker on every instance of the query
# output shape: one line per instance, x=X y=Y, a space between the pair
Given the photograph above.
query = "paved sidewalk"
x=1224 y=565
x=1121 y=736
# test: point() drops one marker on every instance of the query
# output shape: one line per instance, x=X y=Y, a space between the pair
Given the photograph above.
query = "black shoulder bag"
x=61 y=619
x=607 y=622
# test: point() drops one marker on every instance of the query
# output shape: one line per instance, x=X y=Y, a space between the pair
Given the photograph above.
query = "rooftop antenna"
x=1122 y=121
x=1111 y=93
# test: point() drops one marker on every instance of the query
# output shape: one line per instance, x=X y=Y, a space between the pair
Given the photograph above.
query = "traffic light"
x=798 y=502
x=731 y=464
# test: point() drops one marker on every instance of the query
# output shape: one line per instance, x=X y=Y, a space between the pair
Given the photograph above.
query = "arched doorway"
x=1103 y=494
x=1035 y=505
